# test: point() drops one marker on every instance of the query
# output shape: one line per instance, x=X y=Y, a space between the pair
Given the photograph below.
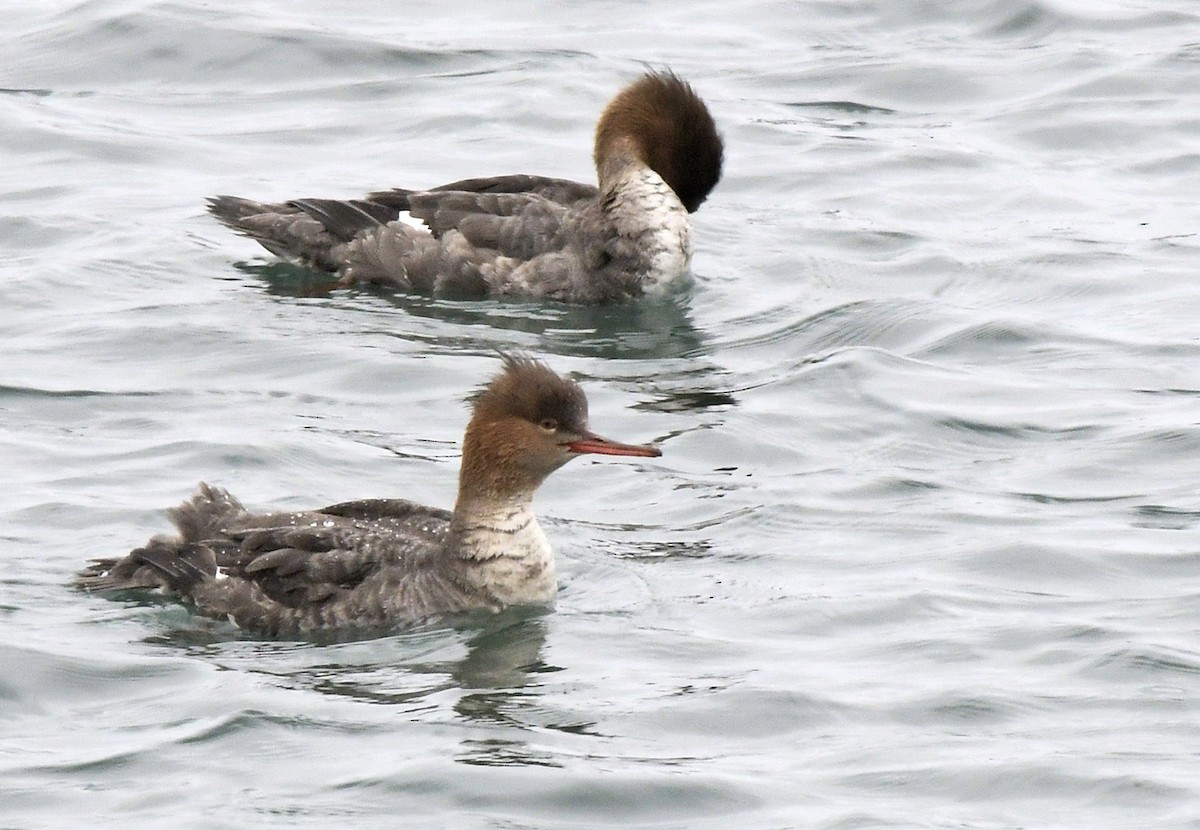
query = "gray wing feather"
x=346 y=219
x=562 y=191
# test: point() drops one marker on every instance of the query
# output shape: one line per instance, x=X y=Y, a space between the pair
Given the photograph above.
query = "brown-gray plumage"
x=657 y=155
x=383 y=562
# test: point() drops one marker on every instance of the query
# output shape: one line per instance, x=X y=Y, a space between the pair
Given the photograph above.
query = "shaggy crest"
x=531 y=390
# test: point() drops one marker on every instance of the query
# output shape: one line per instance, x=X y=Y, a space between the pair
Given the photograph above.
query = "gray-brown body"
x=383 y=562
x=657 y=154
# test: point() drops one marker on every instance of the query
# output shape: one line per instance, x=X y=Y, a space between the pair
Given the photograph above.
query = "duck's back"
x=351 y=565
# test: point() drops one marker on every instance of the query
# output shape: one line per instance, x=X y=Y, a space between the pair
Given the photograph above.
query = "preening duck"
x=657 y=153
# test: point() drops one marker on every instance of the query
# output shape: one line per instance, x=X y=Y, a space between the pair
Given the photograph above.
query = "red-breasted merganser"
x=384 y=562
x=657 y=154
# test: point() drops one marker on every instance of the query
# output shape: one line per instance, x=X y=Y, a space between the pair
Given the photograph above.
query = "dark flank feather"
x=347 y=219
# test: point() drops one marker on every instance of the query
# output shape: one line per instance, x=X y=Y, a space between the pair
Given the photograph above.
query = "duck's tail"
x=165 y=565
x=312 y=231
x=170 y=564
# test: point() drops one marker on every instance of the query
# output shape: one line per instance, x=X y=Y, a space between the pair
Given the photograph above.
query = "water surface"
x=921 y=550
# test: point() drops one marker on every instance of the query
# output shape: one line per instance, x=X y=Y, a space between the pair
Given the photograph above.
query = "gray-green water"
x=921 y=551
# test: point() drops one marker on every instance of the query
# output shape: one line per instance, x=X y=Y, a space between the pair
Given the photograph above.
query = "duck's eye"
x=548 y=424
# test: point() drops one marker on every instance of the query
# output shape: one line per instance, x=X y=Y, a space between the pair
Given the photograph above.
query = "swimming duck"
x=384 y=562
x=657 y=153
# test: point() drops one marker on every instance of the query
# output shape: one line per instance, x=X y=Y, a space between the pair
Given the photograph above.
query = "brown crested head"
x=527 y=422
x=670 y=129
x=530 y=391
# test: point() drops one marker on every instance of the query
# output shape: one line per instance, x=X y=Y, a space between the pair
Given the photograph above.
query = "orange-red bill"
x=591 y=443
